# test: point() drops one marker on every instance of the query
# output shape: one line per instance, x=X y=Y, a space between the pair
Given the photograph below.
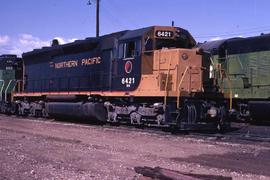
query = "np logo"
x=128 y=67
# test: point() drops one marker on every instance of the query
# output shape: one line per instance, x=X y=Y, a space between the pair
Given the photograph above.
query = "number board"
x=164 y=34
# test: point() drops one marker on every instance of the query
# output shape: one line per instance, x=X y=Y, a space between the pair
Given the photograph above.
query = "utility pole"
x=97 y=16
x=97 y=19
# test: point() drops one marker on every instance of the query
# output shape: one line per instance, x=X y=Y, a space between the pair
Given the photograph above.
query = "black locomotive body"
x=86 y=65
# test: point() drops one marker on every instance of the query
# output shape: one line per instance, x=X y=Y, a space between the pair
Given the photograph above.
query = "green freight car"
x=10 y=79
x=241 y=69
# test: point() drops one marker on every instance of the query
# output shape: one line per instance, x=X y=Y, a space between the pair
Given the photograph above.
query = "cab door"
x=127 y=67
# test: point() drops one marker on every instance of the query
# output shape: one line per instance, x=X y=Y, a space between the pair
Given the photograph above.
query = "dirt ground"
x=38 y=149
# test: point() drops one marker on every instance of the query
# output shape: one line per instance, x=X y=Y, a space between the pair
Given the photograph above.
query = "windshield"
x=172 y=43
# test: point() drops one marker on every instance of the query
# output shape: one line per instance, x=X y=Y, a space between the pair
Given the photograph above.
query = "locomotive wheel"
x=112 y=117
x=222 y=126
x=32 y=112
x=135 y=118
x=45 y=113
x=188 y=114
x=160 y=119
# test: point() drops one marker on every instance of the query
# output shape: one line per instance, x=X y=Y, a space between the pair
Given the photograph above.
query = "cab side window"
x=138 y=47
x=148 y=43
x=121 y=51
x=129 y=49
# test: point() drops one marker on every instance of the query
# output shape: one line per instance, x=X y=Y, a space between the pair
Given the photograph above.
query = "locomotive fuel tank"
x=89 y=110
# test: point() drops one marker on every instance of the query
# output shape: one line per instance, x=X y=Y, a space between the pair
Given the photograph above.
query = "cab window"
x=121 y=51
x=148 y=43
x=129 y=49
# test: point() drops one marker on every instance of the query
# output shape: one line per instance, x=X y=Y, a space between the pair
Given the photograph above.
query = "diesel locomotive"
x=242 y=69
x=152 y=76
x=10 y=75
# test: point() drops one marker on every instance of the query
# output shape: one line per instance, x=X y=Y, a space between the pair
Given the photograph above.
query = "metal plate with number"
x=164 y=34
x=128 y=81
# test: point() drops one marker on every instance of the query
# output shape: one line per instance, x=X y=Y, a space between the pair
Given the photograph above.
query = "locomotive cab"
x=172 y=75
x=136 y=51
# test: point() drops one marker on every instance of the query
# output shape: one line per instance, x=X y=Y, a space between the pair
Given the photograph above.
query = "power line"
x=235 y=33
x=113 y=19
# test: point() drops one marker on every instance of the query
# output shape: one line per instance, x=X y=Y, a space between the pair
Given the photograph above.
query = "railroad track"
x=239 y=131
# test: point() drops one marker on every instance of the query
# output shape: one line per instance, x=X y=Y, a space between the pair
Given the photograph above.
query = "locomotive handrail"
x=179 y=85
x=166 y=83
x=149 y=51
x=19 y=83
x=212 y=61
x=1 y=94
x=19 y=89
x=10 y=81
x=7 y=89
x=230 y=86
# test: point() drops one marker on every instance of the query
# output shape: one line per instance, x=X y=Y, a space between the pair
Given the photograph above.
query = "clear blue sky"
x=33 y=23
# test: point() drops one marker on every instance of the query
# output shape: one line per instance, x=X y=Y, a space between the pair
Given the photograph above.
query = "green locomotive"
x=241 y=68
x=10 y=80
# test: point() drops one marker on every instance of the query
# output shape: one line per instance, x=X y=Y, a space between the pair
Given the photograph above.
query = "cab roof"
x=102 y=42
